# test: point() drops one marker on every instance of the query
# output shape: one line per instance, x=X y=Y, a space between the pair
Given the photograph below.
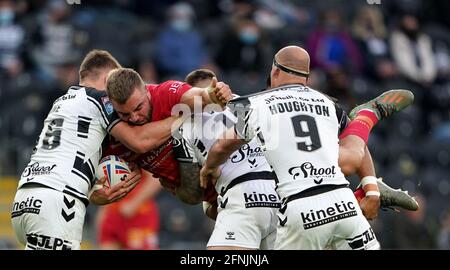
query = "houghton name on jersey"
x=297 y=127
x=69 y=146
x=201 y=132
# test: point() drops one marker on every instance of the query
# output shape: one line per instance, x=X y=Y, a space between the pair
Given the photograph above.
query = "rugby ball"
x=114 y=169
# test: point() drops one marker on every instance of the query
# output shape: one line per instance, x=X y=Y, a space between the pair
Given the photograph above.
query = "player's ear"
x=275 y=75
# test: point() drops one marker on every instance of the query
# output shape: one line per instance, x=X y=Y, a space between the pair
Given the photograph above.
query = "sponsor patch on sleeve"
x=108 y=105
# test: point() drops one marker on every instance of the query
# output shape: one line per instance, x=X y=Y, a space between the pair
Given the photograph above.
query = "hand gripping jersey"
x=69 y=146
x=198 y=135
x=298 y=130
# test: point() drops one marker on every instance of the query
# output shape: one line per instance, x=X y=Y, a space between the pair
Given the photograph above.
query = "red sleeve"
x=173 y=90
x=164 y=96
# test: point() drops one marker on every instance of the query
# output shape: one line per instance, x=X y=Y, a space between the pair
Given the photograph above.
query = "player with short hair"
x=318 y=209
x=247 y=201
x=242 y=195
x=200 y=77
x=126 y=90
x=138 y=103
x=54 y=189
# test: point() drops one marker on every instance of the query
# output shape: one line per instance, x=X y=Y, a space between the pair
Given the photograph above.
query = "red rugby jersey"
x=160 y=162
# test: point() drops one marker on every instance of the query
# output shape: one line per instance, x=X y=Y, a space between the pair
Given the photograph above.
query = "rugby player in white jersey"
x=246 y=210
x=298 y=129
x=53 y=192
x=247 y=200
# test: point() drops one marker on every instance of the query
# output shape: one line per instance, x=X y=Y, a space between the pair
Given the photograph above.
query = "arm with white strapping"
x=369 y=203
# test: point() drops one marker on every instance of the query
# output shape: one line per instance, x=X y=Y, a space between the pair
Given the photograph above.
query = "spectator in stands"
x=339 y=85
x=438 y=102
x=443 y=239
x=54 y=39
x=370 y=32
x=12 y=37
x=243 y=48
x=179 y=47
x=244 y=55
x=331 y=46
x=412 y=51
x=147 y=70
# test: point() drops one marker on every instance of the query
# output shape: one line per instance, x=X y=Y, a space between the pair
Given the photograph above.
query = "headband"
x=290 y=71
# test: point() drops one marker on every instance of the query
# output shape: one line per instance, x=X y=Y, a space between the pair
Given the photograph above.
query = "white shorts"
x=330 y=220
x=247 y=216
x=44 y=218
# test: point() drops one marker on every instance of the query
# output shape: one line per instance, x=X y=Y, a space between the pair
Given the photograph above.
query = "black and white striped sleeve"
x=243 y=112
x=100 y=100
x=342 y=118
x=183 y=149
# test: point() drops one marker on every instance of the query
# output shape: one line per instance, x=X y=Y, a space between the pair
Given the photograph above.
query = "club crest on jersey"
x=108 y=105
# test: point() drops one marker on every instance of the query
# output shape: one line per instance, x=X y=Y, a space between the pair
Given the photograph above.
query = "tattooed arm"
x=189 y=190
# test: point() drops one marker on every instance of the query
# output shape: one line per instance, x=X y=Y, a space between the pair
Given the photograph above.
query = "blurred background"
x=358 y=50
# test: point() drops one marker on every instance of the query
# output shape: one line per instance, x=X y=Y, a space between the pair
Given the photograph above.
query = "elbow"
x=220 y=149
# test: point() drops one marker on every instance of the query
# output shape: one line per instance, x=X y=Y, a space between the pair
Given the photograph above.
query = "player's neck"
x=289 y=80
x=290 y=83
x=93 y=84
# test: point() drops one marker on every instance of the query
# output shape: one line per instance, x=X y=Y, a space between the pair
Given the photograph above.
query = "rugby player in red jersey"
x=138 y=103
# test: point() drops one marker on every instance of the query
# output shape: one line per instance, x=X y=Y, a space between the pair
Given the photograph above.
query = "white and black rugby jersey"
x=298 y=129
x=69 y=147
x=199 y=133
